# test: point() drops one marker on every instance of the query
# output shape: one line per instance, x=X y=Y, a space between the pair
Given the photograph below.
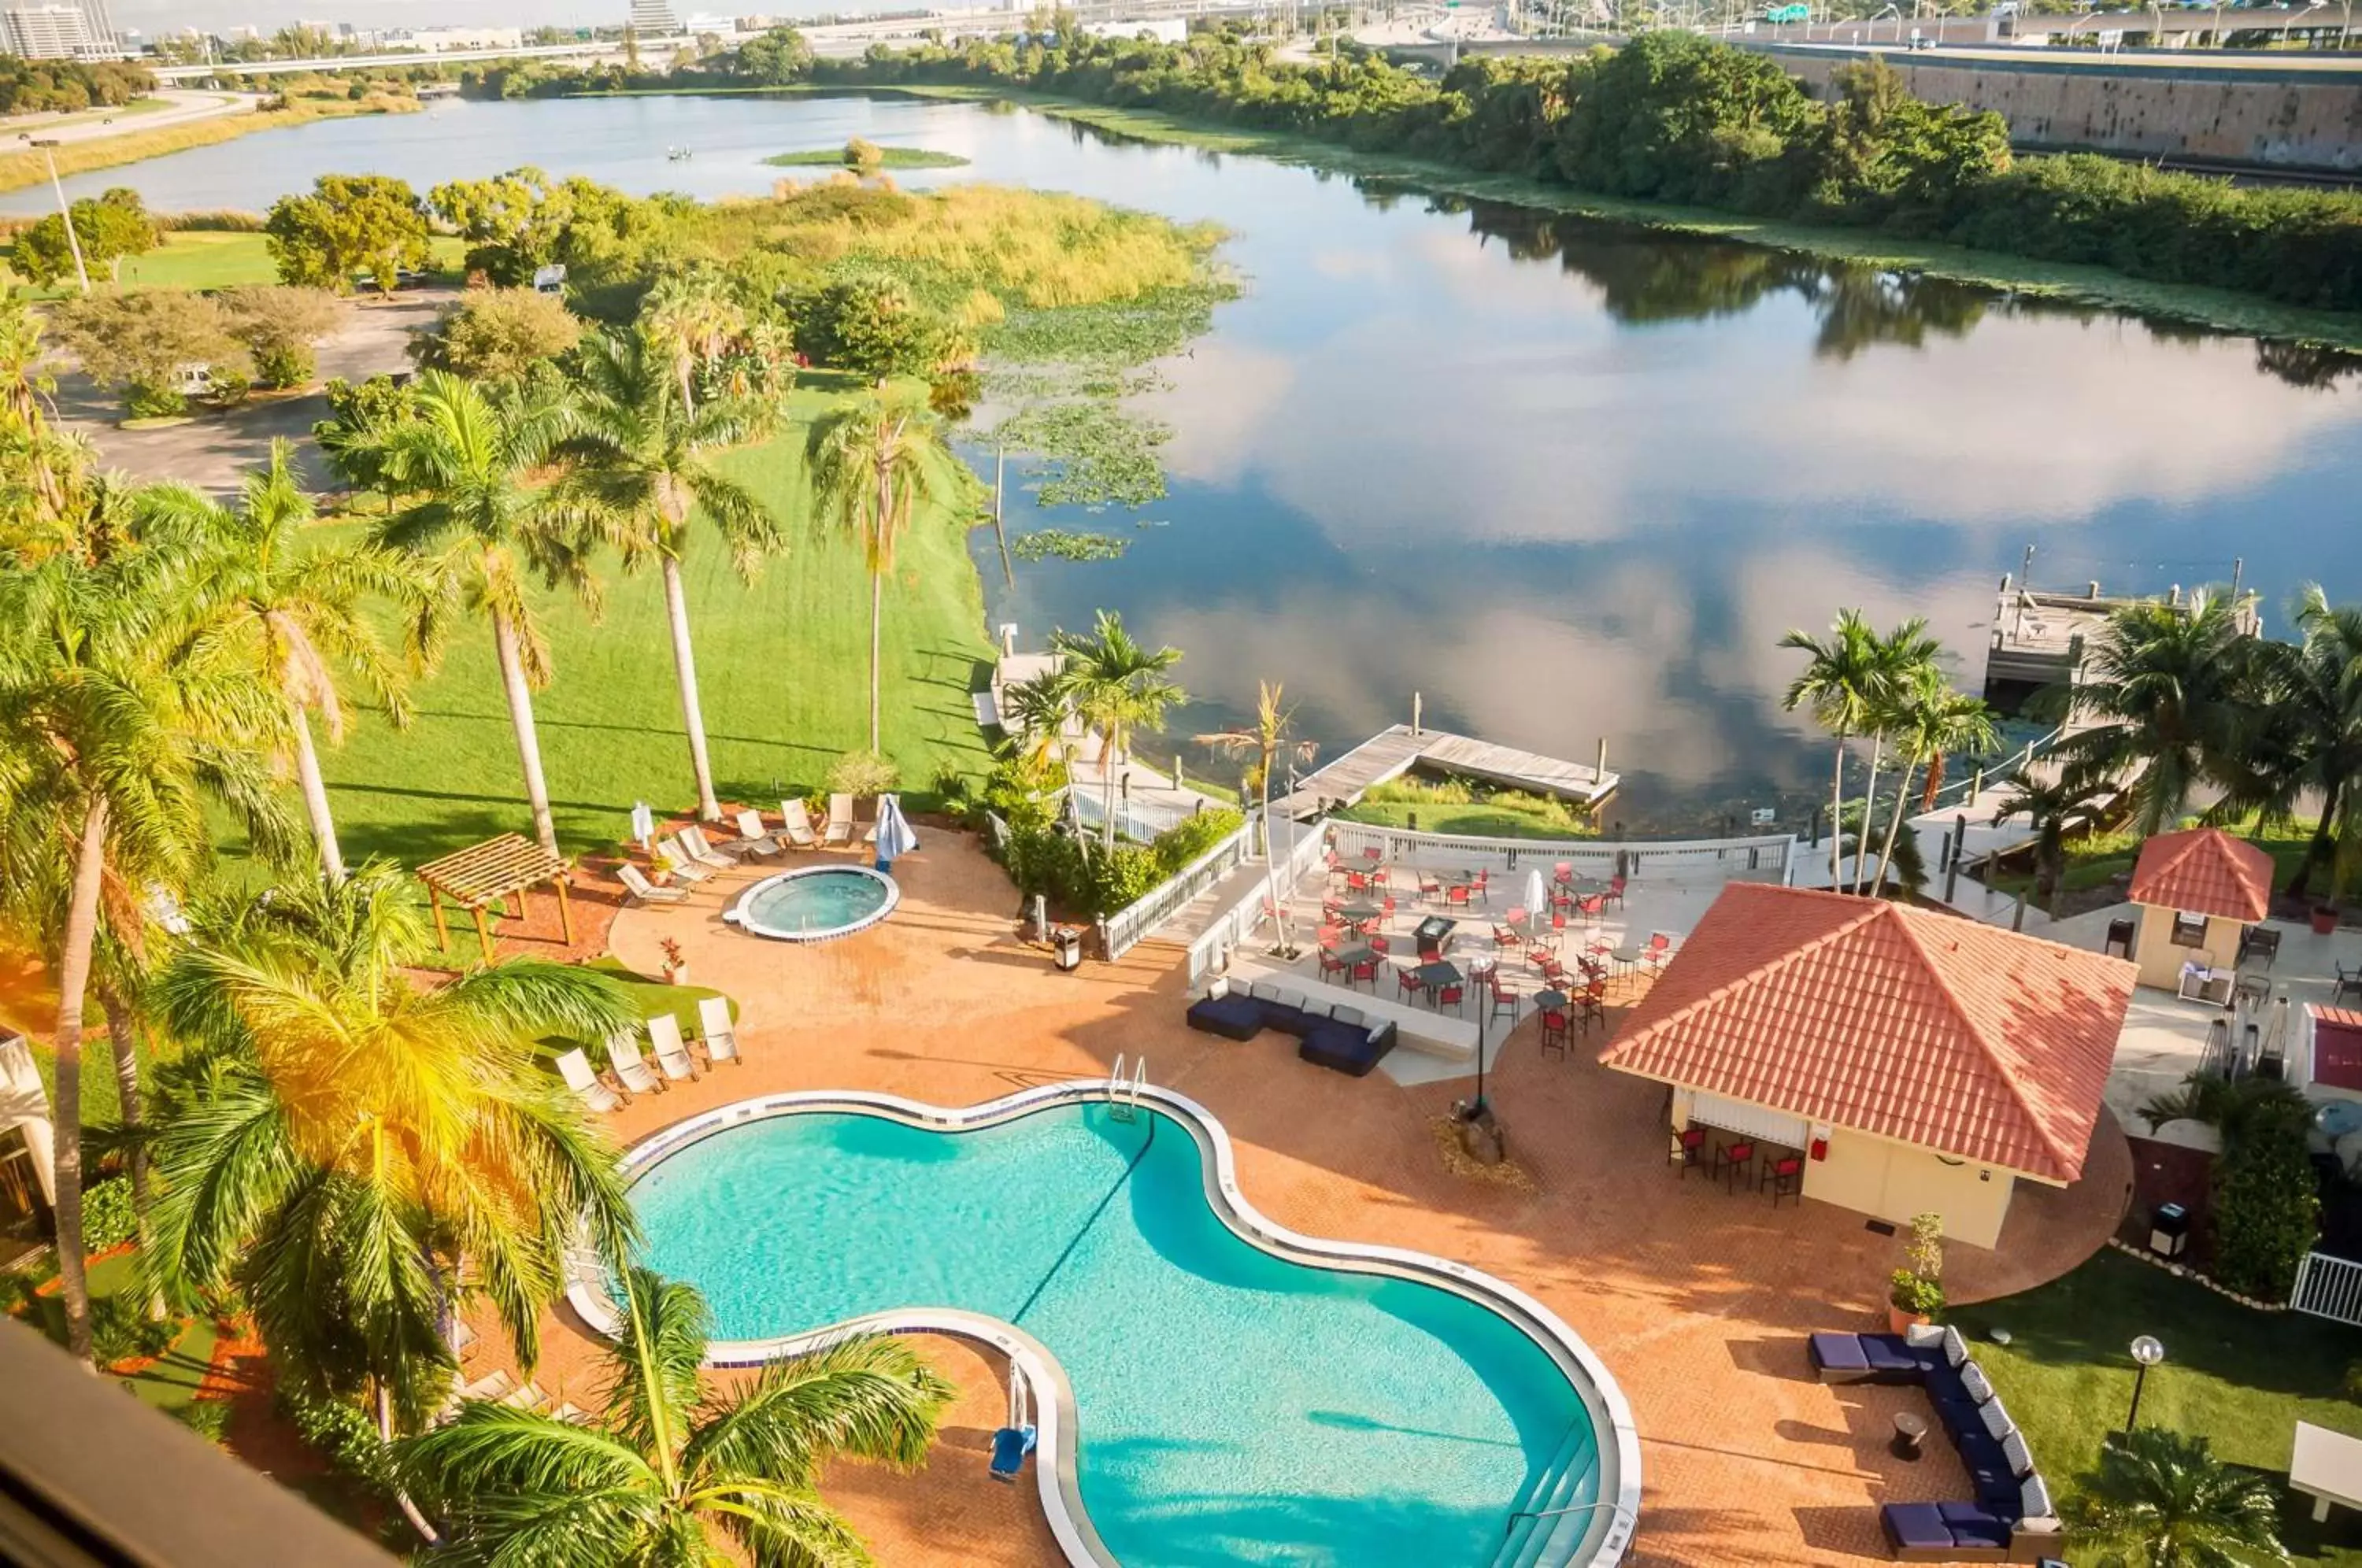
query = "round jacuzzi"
x=816 y=903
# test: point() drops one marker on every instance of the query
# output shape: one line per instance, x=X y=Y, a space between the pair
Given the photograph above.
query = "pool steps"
x=1533 y=1524
x=1590 y=1538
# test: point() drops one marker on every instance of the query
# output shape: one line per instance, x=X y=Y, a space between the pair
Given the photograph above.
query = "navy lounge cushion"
x=1973 y=1526
x=1916 y=1526
x=1891 y=1360
x=1944 y=1385
x=1980 y=1450
x=1234 y=1017
x=1342 y=1048
x=1837 y=1352
x=1290 y=1019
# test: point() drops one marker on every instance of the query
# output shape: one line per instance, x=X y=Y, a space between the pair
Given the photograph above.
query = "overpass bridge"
x=179 y=75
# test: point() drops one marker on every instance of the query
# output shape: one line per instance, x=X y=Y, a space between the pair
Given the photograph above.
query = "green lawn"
x=889 y=158
x=1453 y=806
x=2241 y=1379
x=170 y=1382
x=782 y=664
x=210 y=258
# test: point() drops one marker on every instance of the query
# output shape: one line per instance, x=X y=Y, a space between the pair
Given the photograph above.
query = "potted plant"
x=660 y=869
x=1915 y=1293
x=676 y=966
x=2324 y=920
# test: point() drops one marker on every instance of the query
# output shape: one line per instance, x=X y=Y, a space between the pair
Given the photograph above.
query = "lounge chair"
x=721 y=1036
x=692 y=838
x=576 y=1069
x=624 y=1050
x=1010 y=1447
x=796 y=825
x=572 y=1413
x=529 y=1398
x=643 y=891
x=462 y=1339
x=684 y=864
x=672 y=1052
x=752 y=839
x=497 y=1384
x=840 y=819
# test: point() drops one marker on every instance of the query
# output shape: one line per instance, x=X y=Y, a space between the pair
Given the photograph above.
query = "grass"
x=2096 y=861
x=18 y=170
x=890 y=158
x=209 y=259
x=2240 y=1378
x=783 y=664
x=169 y=1385
x=1454 y=806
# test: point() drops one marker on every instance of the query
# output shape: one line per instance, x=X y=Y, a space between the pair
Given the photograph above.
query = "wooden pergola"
x=481 y=873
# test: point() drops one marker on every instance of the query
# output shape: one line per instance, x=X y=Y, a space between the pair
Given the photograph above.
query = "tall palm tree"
x=2163 y=1500
x=1840 y=685
x=1932 y=719
x=1264 y=739
x=643 y=457
x=2299 y=735
x=2072 y=802
x=39 y=462
x=1034 y=714
x=872 y=463
x=1117 y=688
x=691 y=319
x=117 y=733
x=2161 y=698
x=677 y=1475
x=356 y=1151
x=485 y=520
x=297 y=614
x=1906 y=656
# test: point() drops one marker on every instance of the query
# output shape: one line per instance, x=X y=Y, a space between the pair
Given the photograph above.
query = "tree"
x=2299 y=735
x=356 y=1153
x=358 y=431
x=1841 y=684
x=1933 y=720
x=482 y=522
x=2159 y=702
x=872 y=463
x=298 y=613
x=1903 y=657
x=776 y=59
x=351 y=225
x=2165 y=1501
x=644 y=459
x=875 y=330
x=692 y=316
x=1262 y=740
x=110 y=227
x=280 y=328
x=499 y=335
x=142 y=344
x=1117 y=688
x=673 y=1470
x=40 y=464
x=2072 y=802
x=513 y=223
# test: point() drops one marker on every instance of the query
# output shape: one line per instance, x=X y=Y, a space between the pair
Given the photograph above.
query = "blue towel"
x=1010 y=1447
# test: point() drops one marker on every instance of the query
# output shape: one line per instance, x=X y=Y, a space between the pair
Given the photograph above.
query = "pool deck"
x=1698 y=1300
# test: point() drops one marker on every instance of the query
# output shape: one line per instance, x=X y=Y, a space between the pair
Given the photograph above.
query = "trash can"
x=1066 y=944
x=2119 y=943
x=2168 y=1229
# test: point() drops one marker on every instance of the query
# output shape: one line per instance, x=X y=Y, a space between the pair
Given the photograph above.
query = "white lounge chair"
x=672 y=1052
x=721 y=1035
x=643 y=891
x=752 y=839
x=798 y=826
x=684 y=864
x=624 y=1050
x=840 y=819
x=496 y=1385
x=463 y=1338
x=702 y=852
x=572 y=1413
x=529 y=1398
x=583 y=1079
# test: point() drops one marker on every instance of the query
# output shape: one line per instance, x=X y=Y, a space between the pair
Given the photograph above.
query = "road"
x=94 y=126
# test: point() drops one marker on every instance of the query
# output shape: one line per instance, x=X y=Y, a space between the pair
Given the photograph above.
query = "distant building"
x=706 y=22
x=653 y=17
x=56 y=31
x=444 y=40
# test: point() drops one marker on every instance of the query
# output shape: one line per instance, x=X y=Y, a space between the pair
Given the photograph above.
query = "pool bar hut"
x=1889 y=1060
x=2199 y=892
x=483 y=874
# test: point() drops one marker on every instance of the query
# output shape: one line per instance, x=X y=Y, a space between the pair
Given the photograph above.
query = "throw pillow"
x=2021 y=1458
x=1265 y=990
x=1996 y=1419
x=1956 y=1349
x=1973 y=1379
x=2034 y=1498
x=1351 y=1015
x=1920 y=1336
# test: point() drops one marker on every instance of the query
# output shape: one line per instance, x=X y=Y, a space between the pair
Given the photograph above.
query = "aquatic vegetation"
x=887 y=158
x=1061 y=544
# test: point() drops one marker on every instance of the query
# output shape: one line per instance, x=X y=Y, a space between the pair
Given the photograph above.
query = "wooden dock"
x=1392 y=752
x=2040 y=637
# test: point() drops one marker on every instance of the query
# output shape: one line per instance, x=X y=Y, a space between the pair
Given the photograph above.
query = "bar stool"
x=1688 y=1143
x=1732 y=1158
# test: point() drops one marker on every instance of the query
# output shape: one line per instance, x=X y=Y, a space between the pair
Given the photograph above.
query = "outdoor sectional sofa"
x=1340 y=1037
x=2011 y=1518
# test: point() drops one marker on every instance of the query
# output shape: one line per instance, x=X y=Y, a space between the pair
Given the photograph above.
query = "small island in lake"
x=868 y=157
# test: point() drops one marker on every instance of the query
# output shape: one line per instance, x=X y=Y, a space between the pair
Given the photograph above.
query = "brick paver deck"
x=1696 y=1300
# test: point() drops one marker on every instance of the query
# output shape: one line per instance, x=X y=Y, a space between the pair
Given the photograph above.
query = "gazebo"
x=484 y=873
x=2198 y=891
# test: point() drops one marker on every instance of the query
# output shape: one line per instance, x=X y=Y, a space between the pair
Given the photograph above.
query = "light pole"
x=2147 y=1352
x=65 y=214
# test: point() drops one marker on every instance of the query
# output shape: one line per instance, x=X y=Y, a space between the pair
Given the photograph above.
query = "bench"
x=1338 y=1038
x=1432 y=1033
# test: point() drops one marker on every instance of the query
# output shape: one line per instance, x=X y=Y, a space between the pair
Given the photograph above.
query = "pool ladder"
x=1123 y=1094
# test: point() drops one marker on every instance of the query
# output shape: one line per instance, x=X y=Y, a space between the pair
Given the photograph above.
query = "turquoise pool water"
x=1232 y=1406
x=817 y=903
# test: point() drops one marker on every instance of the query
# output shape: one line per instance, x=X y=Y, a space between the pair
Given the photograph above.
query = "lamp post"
x=2146 y=1352
x=49 y=153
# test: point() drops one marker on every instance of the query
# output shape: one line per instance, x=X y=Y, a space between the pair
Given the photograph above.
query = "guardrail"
x=1764 y=858
x=1140 y=821
x=1127 y=928
x=1966 y=790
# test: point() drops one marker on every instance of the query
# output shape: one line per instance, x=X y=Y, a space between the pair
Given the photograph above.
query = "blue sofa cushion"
x=1345 y=1049
x=1290 y=1019
x=1891 y=1360
x=1841 y=1354
x=1915 y=1525
x=1980 y=1451
x=1957 y=1416
x=1974 y=1526
x=1944 y=1384
x=1233 y=1017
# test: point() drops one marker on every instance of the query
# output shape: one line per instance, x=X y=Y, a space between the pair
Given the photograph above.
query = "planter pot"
x=676 y=974
x=2324 y=920
x=1898 y=1320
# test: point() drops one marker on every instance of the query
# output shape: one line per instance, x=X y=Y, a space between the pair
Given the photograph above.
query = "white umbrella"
x=1537 y=901
x=894 y=834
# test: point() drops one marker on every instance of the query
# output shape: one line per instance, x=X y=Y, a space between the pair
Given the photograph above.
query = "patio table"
x=1626 y=959
x=1359 y=912
x=2327 y=1467
x=1359 y=953
x=1549 y=1001
x=1442 y=972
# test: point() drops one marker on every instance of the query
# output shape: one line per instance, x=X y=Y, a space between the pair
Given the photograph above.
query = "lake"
x=1567 y=479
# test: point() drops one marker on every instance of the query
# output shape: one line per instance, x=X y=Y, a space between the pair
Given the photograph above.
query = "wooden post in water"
x=1415 y=706
x=999 y=533
x=1599 y=770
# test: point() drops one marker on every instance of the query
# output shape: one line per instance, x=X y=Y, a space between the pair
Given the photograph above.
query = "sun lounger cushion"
x=1837 y=1358
x=1973 y=1379
x=1233 y=1017
x=1918 y=1527
x=1891 y=1360
x=1010 y=1447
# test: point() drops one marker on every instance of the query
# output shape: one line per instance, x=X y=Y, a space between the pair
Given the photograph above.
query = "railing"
x=1764 y=858
x=2328 y=1287
x=1140 y=821
x=1127 y=928
x=1235 y=926
x=1983 y=779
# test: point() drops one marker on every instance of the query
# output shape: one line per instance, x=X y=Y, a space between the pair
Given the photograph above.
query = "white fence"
x=1233 y=927
x=2329 y=1287
x=1139 y=820
x=1127 y=928
x=1765 y=859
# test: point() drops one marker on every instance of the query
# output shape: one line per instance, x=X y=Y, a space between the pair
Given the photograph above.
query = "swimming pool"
x=816 y=903
x=1225 y=1400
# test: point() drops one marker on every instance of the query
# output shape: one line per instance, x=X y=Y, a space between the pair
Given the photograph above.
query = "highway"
x=95 y=124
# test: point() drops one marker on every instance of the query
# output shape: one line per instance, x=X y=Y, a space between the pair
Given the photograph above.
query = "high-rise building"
x=47 y=32
x=654 y=18
x=101 y=26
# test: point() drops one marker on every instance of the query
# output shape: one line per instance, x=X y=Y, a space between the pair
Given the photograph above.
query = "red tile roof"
x=1925 y=1028
x=2204 y=871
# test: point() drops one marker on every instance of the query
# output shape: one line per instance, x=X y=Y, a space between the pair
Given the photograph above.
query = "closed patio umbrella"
x=894 y=834
x=1535 y=900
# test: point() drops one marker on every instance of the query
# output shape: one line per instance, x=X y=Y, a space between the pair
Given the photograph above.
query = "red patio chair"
x=1365 y=970
x=1687 y=1144
x=1506 y=936
x=1379 y=943
x=1484 y=887
x=1615 y=892
x=1732 y=1158
x=1409 y=985
x=1786 y=1180
x=1357 y=881
x=1660 y=948
x=1453 y=996
x=1590 y=905
x=1329 y=963
x=1555 y=1033
x=1431 y=886
x=1378 y=877
x=1591 y=1008
x=1330 y=936
x=1562 y=872
x=1504 y=999
x=1456 y=895
x=1373 y=855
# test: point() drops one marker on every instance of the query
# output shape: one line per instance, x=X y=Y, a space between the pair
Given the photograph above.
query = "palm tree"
x=1115 y=687
x=297 y=612
x=1265 y=740
x=2161 y=698
x=2073 y=802
x=643 y=453
x=872 y=463
x=1932 y=719
x=1840 y=685
x=484 y=522
x=356 y=1151
x=2299 y=735
x=39 y=462
x=677 y=1475
x=689 y=318
x=1906 y=656
x=117 y=731
x=2166 y=1502
x=1034 y=714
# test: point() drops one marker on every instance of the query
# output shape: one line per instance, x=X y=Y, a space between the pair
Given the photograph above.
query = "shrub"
x=1123 y=875
x=2267 y=1210
x=107 y=1217
x=1187 y=839
x=863 y=773
x=865 y=156
x=142 y=343
x=342 y=1433
x=499 y=335
x=278 y=327
x=1910 y=1293
x=209 y=1419
x=120 y=1330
